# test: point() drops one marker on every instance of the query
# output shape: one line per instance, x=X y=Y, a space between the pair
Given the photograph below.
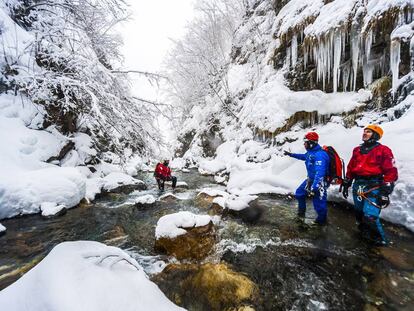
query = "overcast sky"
x=147 y=36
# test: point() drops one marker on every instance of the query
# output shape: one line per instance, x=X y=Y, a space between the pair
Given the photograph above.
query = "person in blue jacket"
x=315 y=186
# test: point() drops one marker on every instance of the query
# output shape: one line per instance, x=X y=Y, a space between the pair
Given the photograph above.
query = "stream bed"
x=296 y=266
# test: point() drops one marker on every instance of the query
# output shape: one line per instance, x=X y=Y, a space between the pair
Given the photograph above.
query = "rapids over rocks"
x=272 y=262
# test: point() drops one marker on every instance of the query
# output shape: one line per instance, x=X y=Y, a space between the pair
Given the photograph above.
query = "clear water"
x=296 y=266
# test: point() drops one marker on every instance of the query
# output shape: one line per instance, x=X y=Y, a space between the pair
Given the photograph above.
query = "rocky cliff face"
x=337 y=47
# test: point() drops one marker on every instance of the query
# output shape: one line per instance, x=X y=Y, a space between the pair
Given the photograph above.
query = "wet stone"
x=397 y=258
x=207 y=287
x=250 y=214
x=196 y=244
x=203 y=200
x=115 y=236
x=215 y=209
x=168 y=198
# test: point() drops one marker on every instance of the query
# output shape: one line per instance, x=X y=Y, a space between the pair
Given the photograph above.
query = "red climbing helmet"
x=312 y=136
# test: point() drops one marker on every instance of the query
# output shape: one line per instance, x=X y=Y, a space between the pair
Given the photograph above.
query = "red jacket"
x=162 y=171
x=377 y=162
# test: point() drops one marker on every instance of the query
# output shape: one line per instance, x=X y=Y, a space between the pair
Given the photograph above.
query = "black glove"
x=287 y=153
x=346 y=183
x=386 y=188
x=383 y=201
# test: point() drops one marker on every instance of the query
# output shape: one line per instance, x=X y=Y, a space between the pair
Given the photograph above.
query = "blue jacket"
x=317 y=165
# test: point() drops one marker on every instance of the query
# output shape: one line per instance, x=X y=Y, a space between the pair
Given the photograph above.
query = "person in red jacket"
x=162 y=173
x=373 y=174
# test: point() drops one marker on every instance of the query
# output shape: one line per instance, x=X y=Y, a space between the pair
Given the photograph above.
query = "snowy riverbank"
x=28 y=181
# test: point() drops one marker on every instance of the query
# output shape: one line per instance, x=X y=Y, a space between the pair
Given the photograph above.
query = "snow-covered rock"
x=51 y=209
x=120 y=182
x=145 y=199
x=185 y=235
x=85 y=275
x=173 y=225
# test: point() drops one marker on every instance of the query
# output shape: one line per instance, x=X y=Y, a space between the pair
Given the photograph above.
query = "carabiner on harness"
x=385 y=200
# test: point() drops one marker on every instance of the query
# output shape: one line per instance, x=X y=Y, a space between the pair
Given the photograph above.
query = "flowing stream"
x=296 y=266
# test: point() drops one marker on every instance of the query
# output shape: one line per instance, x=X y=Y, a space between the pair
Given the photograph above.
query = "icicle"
x=395 y=63
x=346 y=72
x=305 y=56
x=294 y=52
x=368 y=44
x=288 y=57
x=367 y=71
x=355 y=39
x=315 y=59
x=337 y=46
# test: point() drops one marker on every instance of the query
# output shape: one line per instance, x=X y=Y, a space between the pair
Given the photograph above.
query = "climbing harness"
x=363 y=195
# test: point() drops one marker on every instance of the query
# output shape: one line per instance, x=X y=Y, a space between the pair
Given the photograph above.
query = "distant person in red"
x=163 y=173
x=372 y=174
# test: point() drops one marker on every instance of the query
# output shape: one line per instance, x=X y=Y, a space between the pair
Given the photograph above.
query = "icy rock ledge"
x=85 y=275
x=185 y=235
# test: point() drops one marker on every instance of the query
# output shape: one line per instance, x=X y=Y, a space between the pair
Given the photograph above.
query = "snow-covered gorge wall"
x=330 y=66
x=67 y=119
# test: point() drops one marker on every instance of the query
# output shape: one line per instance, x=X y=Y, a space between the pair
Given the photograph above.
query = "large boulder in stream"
x=185 y=235
x=207 y=287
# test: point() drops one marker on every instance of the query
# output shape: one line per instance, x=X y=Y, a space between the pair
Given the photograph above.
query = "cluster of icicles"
x=328 y=52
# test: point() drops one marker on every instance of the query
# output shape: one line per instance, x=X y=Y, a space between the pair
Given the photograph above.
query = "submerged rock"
x=115 y=236
x=207 y=287
x=196 y=244
x=397 y=258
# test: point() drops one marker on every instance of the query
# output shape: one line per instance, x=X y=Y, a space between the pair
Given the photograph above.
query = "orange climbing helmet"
x=375 y=128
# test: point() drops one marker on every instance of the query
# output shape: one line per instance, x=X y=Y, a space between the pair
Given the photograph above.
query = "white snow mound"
x=85 y=275
x=171 y=226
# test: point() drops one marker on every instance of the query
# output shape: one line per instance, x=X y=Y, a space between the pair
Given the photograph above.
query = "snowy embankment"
x=85 y=275
x=27 y=182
